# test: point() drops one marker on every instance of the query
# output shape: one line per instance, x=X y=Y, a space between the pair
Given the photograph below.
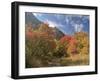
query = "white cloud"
x=72 y=23
x=51 y=24
x=34 y=14
x=37 y=14
x=78 y=27
x=67 y=20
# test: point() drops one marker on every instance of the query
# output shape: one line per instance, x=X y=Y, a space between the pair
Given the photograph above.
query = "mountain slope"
x=31 y=19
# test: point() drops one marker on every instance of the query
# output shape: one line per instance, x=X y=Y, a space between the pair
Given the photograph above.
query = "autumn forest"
x=48 y=46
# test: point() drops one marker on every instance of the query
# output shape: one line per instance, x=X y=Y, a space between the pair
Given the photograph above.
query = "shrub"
x=39 y=46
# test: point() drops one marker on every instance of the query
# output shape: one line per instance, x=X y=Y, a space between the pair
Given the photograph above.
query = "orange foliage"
x=40 y=35
x=71 y=44
x=65 y=39
x=68 y=39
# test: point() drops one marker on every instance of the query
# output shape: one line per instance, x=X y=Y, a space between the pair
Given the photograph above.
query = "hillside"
x=31 y=19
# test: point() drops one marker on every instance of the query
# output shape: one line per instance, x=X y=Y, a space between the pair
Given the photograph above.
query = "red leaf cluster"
x=71 y=43
x=68 y=39
x=40 y=35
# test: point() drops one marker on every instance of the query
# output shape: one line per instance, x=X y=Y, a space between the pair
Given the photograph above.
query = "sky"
x=67 y=23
